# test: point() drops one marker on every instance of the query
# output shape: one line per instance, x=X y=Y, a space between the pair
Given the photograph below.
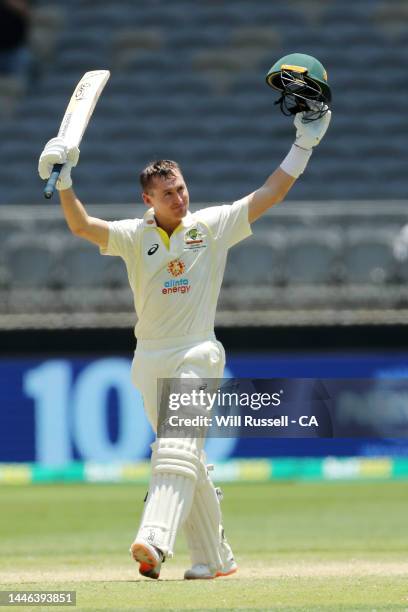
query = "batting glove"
x=308 y=135
x=56 y=151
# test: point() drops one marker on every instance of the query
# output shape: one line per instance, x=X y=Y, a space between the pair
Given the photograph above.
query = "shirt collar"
x=150 y=221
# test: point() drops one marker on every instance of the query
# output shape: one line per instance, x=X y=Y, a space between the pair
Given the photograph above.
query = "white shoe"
x=200 y=571
x=149 y=557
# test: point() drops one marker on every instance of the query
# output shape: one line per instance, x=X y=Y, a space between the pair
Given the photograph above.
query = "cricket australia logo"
x=176 y=267
x=194 y=239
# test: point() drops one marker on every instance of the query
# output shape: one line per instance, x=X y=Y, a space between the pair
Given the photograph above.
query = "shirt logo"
x=176 y=267
x=192 y=234
x=194 y=239
x=181 y=285
x=153 y=249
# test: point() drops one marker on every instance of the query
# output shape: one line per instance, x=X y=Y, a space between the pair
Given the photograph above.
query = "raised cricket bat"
x=77 y=116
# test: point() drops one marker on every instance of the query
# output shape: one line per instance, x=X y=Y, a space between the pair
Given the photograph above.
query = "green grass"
x=325 y=546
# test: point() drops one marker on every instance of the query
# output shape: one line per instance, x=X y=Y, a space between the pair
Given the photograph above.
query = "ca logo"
x=153 y=249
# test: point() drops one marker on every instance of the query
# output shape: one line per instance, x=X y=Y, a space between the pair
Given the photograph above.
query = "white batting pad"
x=175 y=465
x=203 y=527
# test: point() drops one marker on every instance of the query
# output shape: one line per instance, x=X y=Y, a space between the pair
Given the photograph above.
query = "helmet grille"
x=301 y=94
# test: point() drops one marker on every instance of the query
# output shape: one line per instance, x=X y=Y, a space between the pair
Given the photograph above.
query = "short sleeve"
x=228 y=223
x=122 y=238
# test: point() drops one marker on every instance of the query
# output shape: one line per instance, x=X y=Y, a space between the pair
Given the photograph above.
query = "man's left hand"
x=309 y=134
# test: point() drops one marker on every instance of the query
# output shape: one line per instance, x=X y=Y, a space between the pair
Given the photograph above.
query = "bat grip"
x=50 y=186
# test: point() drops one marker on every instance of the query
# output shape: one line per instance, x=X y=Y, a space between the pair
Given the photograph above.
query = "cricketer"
x=175 y=262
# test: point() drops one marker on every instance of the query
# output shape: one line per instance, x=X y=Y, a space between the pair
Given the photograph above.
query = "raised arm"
x=79 y=222
x=274 y=190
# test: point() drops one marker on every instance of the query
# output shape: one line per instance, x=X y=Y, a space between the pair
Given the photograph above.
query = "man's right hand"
x=57 y=152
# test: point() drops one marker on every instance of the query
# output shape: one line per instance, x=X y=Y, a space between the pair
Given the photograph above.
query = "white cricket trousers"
x=177 y=464
x=200 y=356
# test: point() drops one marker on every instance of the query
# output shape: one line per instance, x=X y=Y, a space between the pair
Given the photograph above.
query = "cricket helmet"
x=302 y=81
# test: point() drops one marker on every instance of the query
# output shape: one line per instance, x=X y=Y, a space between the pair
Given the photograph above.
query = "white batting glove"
x=308 y=135
x=56 y=151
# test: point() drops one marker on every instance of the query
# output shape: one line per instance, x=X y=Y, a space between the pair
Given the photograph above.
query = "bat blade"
x=77 y=116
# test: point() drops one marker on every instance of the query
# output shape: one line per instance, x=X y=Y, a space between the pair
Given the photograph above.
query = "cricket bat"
x=77 y=116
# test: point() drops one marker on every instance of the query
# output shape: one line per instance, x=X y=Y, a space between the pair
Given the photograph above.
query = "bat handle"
x=50 y=186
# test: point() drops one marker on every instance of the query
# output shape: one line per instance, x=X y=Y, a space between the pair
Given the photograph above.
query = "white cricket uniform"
x=176 y=283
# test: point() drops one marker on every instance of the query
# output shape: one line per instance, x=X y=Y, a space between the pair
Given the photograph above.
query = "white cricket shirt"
x=176 y=281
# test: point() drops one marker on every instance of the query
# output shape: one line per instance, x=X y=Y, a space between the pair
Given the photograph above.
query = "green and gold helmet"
x=302 y=81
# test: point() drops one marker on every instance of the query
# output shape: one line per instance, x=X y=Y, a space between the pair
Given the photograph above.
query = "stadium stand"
x=368 y=256
x=304 y=259
x=188 y=83
x=187 y=73
x=311 y=256
x=30 y=261
x=257 y=262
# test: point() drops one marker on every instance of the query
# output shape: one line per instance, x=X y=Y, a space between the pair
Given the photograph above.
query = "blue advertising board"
x=56 y=410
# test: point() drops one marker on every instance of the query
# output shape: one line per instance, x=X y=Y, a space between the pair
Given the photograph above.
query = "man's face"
x=169 y=198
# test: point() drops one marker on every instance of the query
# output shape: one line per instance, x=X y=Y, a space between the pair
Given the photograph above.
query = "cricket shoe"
x=149 y=557
x=201 y=571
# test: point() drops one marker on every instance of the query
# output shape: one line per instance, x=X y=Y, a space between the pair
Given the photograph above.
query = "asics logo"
x=153 y=249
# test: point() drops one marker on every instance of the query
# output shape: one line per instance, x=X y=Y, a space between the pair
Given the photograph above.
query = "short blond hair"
x=161 y=168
